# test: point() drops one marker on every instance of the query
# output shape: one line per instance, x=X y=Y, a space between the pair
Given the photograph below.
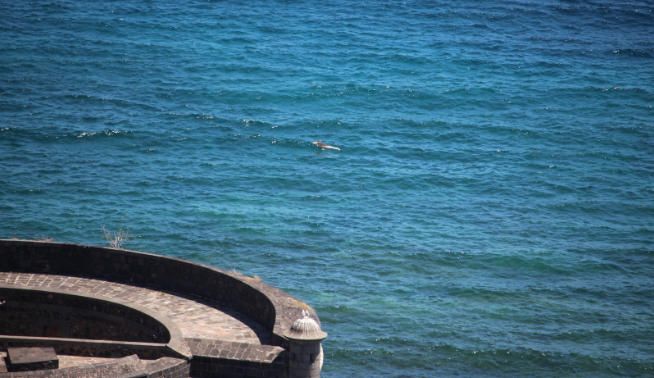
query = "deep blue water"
x=491 y=212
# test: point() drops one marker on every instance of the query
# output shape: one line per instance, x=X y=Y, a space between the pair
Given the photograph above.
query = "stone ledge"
x=176 y=342
x=32 y=358
x=166 y=364
x=91 y=348
x=126 y=367
x=194 y=319
x=246 y=313
x=265 y=354
x=270 y=307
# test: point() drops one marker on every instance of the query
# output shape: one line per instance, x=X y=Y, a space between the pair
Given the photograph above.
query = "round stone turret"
x=305 y=351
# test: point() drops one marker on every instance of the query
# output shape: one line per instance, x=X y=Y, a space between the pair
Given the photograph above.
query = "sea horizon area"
x=457 y=189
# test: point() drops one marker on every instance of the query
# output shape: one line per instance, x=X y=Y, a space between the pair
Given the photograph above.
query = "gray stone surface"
x=221 y=324
x=25 y=359
x=194 y=319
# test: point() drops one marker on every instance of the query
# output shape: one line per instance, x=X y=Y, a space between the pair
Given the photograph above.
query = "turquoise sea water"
x=491 y=212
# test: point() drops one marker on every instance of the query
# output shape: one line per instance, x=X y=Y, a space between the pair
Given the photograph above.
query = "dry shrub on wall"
x=115 y=239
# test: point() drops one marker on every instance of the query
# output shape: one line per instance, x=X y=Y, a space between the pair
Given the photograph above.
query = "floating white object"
x=325 y=146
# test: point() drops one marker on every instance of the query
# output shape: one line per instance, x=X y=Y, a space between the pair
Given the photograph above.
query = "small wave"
x=450 y=359
x=290 y=142
x=635 y=53
x=575 y=92
x=248 y=122
x=91 y=99
x=103 y=133
x=48 y=134
x=527 y=264
x=197 y=116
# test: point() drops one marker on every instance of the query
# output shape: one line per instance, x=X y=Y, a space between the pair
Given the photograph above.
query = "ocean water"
x=490 y=213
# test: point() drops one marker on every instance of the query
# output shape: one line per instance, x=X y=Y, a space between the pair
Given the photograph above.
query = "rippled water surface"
x=491 y=211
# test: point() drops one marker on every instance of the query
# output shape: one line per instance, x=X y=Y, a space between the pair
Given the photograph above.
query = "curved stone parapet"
x=52 y=313
x=83 y=323
x=270 y=307
x=199 y=319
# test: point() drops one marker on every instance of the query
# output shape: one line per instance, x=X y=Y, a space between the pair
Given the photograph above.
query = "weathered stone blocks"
x=27 y=359
x=149 y=295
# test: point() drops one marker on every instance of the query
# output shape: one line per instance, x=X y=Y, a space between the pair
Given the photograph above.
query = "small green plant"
x=115 y=239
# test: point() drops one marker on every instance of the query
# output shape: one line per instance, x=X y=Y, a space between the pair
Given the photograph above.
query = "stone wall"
x=221 y=359
x=92 y=348
x=46 y=314
x=53 y=311
x=223 y=368
x=270 y=307
x=126 y=367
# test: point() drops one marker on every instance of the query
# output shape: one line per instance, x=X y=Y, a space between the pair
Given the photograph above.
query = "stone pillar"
x=304 y=350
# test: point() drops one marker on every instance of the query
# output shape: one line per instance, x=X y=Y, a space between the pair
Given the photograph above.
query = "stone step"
x=126 y=367
x=217 y=358
x=167 y=367
x=3 y=366
x=233 y=350
x=31 y=358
